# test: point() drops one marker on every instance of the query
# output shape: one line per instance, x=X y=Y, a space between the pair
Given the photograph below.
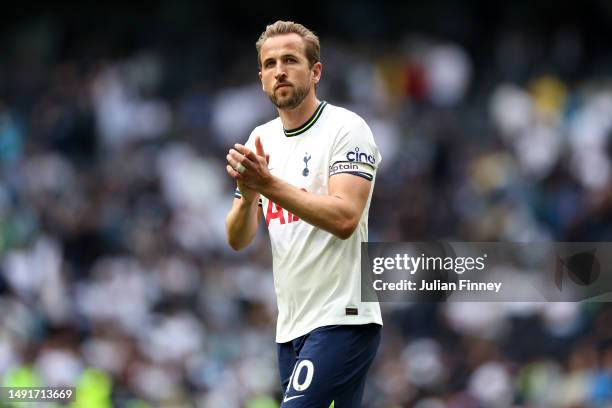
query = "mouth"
x=284 y=85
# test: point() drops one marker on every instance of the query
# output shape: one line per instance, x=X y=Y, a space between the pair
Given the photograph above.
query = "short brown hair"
x=311 y=41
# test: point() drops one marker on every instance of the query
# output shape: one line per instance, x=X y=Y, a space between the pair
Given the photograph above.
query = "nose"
x=280 y=71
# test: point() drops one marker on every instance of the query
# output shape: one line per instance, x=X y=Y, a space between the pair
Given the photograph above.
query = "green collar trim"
x=309 y=123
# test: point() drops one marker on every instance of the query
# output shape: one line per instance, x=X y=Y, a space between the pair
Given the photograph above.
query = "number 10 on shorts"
x=294 y=380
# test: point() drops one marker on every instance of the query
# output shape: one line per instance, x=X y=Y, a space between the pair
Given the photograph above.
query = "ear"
x=260 y=80
x=317 y=69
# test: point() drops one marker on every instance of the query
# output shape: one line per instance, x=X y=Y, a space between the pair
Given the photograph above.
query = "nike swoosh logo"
x=290 y=398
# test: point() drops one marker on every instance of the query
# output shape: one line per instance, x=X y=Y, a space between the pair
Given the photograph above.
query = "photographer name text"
x=437 y=285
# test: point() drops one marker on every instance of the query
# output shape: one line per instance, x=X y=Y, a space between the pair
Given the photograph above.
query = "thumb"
x=259 y=147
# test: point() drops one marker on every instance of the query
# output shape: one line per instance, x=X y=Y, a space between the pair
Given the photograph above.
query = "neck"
x=296 y=117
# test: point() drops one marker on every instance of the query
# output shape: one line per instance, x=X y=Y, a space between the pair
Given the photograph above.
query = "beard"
x=292 y=102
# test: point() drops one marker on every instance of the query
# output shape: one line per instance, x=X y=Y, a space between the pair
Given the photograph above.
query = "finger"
x=246 y=152
x=238 y=157
x=259 y=147
x=232 y=161
x=233 y=173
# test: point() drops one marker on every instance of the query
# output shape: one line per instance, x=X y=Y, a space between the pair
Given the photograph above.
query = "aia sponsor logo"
x=356 y=155
x=276 y=212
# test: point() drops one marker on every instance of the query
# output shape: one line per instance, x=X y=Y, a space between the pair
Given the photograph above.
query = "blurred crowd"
x=115 y=275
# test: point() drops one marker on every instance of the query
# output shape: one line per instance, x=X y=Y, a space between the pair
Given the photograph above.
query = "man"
x=313 y=183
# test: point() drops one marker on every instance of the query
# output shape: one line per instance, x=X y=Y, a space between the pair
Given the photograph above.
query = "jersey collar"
x=308 y=124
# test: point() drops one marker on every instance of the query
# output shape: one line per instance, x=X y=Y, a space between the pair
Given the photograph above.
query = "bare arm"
x=243 y=219
x=241 y=223
x=338 y=212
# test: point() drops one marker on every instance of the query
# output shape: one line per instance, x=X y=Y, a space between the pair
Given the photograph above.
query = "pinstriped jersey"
x=317 y=275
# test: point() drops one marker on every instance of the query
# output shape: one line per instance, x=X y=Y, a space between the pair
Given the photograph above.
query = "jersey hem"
x=355 y=322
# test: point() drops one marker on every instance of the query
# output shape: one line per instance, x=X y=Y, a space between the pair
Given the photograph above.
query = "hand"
x=248 y=195
x=255 y=173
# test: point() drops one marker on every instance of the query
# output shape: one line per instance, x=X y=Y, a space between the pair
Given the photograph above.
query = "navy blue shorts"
x=327 y=365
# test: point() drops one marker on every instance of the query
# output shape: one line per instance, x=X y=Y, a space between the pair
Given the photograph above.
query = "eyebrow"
x=282 y=56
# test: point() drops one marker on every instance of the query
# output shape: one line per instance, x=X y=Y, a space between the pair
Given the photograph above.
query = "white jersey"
x=317 y=275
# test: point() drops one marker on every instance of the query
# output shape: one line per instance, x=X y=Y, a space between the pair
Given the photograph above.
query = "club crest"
x=306 y=171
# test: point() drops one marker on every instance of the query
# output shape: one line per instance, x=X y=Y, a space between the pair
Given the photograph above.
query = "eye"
x=269 y=64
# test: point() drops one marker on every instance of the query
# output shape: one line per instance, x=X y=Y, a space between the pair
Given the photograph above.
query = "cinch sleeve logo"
x=356 y=155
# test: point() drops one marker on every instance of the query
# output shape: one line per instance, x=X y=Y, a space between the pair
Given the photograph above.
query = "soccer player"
x=310 y=173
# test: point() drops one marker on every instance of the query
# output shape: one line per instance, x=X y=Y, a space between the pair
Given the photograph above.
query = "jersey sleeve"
x=250 y=144
x=354 y=152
